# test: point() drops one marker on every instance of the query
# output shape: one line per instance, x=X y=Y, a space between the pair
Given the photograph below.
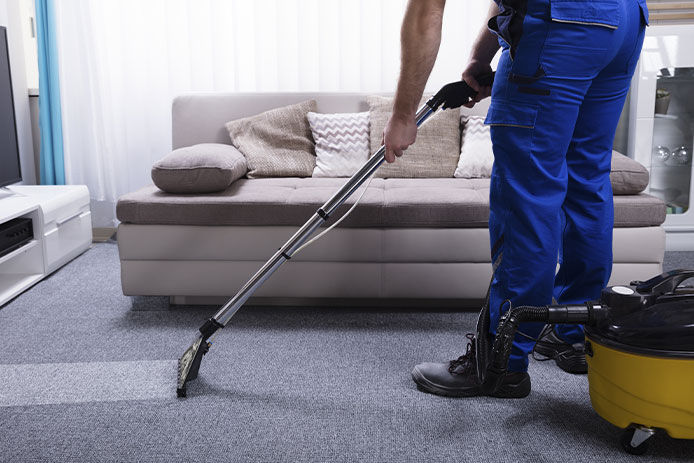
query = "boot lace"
x=465 y=361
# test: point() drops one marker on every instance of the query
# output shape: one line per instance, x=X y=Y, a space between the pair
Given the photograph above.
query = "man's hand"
x=420 y=36
x=477 y=68
x=399 y=134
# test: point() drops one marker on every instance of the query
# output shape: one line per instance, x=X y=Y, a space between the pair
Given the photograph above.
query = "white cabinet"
x=661 y=127
x=62 y=230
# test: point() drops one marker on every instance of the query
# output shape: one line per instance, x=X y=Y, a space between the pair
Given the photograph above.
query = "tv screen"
x=9 y=150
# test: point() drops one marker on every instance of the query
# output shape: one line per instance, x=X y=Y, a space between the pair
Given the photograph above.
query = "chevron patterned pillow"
x=476 y=155
x=342 y=143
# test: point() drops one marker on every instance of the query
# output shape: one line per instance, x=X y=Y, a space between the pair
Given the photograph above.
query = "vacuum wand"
x=451 y=96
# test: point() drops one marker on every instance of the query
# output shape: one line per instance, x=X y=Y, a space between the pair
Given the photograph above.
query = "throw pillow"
x=434 y=154
x=628 y=177
x=276 y=143
x=203 y=168
x=476 y=154
x=342 y=143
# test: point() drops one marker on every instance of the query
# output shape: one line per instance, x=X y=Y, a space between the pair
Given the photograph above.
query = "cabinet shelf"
x=55 y=240
x=14 y=283
x=683 y=79
x=671 y=117
x=670 y=167
x=19 y=251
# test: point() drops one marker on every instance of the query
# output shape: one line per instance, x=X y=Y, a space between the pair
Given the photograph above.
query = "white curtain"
x=123 y=61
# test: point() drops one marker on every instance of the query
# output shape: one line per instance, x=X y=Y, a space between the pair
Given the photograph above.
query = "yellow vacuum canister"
x=639 y=349
x=641 y=362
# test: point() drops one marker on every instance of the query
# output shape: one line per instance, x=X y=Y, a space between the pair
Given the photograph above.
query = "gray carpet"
x=87 y=376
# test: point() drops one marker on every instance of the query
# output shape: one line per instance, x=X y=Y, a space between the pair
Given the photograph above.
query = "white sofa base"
x=190 y=262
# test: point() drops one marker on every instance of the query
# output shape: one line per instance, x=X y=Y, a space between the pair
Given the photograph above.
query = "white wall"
x=10 y=18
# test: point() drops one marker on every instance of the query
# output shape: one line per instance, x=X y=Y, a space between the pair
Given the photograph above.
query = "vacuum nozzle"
x=189 y=363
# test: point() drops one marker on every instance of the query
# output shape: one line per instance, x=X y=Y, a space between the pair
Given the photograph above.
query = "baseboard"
x=455 y=304
x=679 y=240
x=101 y=235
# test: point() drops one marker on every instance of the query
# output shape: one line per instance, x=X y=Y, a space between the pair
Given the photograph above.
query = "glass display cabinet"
x=661 y=125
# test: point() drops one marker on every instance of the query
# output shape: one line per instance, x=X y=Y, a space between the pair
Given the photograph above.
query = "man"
x=559 y=89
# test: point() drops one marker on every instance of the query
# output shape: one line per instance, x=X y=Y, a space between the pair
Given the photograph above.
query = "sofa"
x=411 y=241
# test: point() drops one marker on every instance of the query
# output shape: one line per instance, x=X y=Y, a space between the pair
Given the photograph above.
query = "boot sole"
x=574 y=365
x=506 y=391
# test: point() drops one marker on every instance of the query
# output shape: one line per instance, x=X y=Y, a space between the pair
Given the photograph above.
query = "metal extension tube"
x=321 y=216
x=452 y=95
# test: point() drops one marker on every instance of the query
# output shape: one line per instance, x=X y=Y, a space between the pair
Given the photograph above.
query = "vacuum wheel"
x=634 y=439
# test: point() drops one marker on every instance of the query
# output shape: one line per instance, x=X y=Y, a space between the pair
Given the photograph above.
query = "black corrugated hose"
x=508 y=325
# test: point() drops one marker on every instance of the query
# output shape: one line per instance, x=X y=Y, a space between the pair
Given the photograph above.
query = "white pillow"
x=476 y=155
x=342 y=143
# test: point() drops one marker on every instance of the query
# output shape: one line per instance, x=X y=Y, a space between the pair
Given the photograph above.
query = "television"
x=10 y=171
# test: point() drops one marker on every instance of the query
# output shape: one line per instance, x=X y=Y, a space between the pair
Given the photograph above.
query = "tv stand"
x=6 y=192
x=62 y=230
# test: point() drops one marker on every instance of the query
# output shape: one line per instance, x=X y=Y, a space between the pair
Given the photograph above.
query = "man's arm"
x=483 y=50
x=420 y=37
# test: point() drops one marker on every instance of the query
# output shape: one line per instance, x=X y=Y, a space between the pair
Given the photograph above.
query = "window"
x=27 y=13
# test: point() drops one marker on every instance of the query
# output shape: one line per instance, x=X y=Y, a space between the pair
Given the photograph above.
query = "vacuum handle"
x=451 y=95
x=664 y=283
x=456 y=94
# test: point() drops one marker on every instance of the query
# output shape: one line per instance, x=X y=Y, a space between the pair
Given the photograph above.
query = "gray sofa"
x=415 y=240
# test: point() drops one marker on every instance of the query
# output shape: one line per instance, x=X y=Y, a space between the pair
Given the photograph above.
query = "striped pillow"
x=476 y=155
x=342 y=143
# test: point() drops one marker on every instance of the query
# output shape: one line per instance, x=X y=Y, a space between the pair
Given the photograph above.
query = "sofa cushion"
x=203 y=168
x=476 y=153
x=276 y=143
x=435 y=152
x=639 y=210
x=267 y=201
x=416 y=203
x=628 y=176
x=342 y=143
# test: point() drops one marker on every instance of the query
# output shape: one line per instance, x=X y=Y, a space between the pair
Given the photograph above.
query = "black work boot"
x=569 y=357
x=458 y=378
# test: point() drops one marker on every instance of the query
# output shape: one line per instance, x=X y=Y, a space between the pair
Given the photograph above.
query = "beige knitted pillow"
x=434 y=154
x=276 y=143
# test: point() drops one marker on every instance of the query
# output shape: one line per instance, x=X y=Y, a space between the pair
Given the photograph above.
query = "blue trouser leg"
x=527 y=190
x=552 y=133
x=588 y=208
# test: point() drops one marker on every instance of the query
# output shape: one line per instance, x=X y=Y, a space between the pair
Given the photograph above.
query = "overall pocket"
x=588 y=13
x=578 y=38
x=511 y=114
x=512 y=127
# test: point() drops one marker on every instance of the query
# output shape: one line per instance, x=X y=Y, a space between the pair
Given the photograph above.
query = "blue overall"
x=559 y=90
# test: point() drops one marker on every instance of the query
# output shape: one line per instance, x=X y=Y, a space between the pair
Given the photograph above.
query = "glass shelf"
x=673 y=138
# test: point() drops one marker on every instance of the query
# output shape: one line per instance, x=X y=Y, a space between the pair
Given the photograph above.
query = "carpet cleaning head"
x=189 y=364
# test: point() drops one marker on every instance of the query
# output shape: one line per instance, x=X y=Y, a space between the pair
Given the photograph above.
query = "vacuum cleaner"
x=639 y=338
x=451 y=96
x=639 y=346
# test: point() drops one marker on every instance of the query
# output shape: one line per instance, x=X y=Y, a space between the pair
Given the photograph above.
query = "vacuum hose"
x=508 y=325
